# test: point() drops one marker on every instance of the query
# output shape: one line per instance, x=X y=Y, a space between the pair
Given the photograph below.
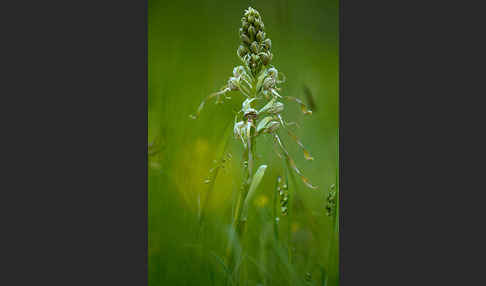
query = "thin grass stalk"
x=274 y=211
x=212 y=182
x=293 y=196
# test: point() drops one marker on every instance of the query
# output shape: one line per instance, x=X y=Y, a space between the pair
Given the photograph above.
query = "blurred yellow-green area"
x=191 y=53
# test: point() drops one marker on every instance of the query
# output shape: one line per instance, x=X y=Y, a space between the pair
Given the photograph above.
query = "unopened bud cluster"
x=283 y=193
x=255 y=48
x=331 y=201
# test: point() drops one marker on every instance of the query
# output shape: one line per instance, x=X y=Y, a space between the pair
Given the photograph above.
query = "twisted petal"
x=203 y=102
x=303 y=107
x=292 y=164
x=307 y=155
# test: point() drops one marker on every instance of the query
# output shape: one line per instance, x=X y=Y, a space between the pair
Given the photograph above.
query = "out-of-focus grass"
x=191 y=53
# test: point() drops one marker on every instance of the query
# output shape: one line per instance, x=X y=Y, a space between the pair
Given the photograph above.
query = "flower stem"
x=239 y=222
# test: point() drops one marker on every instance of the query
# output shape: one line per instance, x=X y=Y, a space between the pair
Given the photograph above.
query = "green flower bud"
x=254 y=47
x=254 y=58
x=245 y=25
x=245 y=39
x=261 y=26
x=242 y=51
x=256 y=14
x=253 y=67
x=260 y=36
x=257 y=24
x=253 y=38
x=251 y=31
x=266 y=58
x=268 y=44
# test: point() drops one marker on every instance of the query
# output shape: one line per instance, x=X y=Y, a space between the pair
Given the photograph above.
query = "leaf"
x=257 y=178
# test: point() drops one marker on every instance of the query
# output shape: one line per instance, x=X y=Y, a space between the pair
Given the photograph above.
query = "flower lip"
x=251 y=114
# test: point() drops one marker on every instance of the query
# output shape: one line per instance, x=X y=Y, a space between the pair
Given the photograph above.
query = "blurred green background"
x=191 y=53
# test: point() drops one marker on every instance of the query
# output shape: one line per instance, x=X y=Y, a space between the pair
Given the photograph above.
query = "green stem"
x=239 y=223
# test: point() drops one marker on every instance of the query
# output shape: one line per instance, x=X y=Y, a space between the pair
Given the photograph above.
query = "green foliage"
x=191 y=48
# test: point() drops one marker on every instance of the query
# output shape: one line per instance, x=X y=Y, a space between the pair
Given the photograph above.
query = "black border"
x=76 y=163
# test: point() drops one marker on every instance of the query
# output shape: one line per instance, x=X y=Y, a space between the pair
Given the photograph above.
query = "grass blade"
x=253 y=186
